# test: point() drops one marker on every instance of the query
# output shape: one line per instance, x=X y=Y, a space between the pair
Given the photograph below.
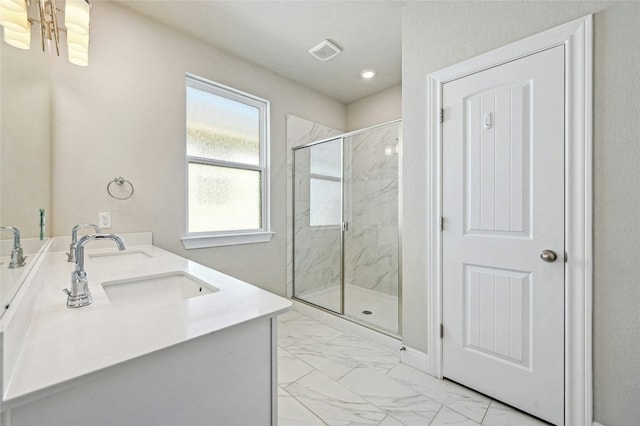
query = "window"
x=325 y=199
x=325 y=185
x=227 y=161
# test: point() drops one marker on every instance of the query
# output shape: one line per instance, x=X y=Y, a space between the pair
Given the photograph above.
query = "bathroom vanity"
x=166 y=341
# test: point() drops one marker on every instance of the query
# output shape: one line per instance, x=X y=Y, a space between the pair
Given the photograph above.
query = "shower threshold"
x=366 y=307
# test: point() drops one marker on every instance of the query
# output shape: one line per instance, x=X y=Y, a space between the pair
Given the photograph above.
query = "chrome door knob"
x=548 y=256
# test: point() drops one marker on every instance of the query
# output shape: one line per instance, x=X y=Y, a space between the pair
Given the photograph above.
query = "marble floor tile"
x=333 y=403
x=448 y=417
x=312 y=328
x=367 y=353
x=323 y=357
x=502 y=415
x=404 y=404
x=330 y=377
x=290 y=367
x=288 y=316
x=292 y=413
x=390 y=421
x=287 y=334
x=463 y=400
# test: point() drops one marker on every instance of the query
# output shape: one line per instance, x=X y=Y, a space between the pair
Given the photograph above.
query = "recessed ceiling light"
x=368 y=74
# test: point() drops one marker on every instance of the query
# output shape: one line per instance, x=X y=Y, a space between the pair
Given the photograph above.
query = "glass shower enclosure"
x=346 y=239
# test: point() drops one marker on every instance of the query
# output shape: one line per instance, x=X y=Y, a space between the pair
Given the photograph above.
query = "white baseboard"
x=597 y=424
x=415 y=358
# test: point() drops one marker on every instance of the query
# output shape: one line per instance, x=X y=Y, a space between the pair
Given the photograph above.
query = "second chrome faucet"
x=17 y=255
x=71 y=256
x=79 y=295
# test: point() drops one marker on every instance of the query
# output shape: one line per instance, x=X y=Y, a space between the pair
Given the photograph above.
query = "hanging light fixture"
x=14 y=17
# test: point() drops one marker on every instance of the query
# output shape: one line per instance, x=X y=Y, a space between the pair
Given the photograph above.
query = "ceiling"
x=278 y=34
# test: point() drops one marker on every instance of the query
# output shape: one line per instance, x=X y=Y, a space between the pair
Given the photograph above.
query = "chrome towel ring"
x=120 y=181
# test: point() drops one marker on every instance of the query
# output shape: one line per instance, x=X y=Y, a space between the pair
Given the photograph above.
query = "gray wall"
x=124 y=115
x=376 y=109
x=439 y=34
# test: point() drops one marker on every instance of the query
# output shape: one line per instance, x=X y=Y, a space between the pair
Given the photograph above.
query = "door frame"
x=577 y=38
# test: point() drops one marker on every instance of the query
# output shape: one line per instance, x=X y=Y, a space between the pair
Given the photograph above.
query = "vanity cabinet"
x=223 y=378
x=165 y=357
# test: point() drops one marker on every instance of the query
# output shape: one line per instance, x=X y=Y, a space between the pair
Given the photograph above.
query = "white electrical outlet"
x=104 y=220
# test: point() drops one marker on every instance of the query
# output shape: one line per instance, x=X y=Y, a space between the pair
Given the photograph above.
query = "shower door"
x=345 y=226
x=317 y=224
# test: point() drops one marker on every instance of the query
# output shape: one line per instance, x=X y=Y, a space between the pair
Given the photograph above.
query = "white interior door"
x=503 y=206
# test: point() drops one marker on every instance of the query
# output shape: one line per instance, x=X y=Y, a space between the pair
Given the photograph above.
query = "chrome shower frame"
x=342 y=314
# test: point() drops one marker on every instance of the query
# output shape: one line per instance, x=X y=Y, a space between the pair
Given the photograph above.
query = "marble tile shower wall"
x=371 y=208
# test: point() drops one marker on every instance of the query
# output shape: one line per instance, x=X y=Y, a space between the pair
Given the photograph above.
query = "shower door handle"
x=345 y=226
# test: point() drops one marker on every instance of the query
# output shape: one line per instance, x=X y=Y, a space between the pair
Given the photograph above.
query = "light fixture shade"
x=17 y=39
x=15 y=20
x=13 y=5
x=76 y=16
x=77 y=42
x=79 y=58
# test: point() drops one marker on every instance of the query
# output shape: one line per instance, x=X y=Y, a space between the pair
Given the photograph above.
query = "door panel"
x=497 y=313
x=503 y=204
x=498 y=177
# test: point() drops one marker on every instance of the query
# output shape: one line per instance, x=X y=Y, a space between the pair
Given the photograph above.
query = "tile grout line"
x=300 y=378
x=486 y=411
x=308 y=408
x=434 y=417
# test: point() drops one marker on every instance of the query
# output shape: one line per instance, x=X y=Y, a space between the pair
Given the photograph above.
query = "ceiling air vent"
x=325 y=51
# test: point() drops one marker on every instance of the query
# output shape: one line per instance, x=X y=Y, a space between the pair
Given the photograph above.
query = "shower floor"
x=383 y=308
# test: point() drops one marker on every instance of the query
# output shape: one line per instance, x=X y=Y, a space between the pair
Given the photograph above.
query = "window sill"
x=204 y=241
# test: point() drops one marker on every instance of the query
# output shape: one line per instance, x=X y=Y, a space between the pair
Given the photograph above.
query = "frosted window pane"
x=326 y=159
x=223 y=199
x=325 y=202
x=222 y=129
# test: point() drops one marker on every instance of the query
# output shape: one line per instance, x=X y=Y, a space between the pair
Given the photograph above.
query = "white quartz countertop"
x=63 y=344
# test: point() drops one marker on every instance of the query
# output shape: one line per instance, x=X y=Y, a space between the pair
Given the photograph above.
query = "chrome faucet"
x=79 y=295
x=17 y=256
x=71 y=256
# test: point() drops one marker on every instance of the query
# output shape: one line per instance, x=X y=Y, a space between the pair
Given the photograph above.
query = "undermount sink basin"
x=119 y=256
x=158 y=289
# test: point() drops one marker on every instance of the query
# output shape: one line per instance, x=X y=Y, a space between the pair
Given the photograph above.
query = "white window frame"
x=195 y=240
